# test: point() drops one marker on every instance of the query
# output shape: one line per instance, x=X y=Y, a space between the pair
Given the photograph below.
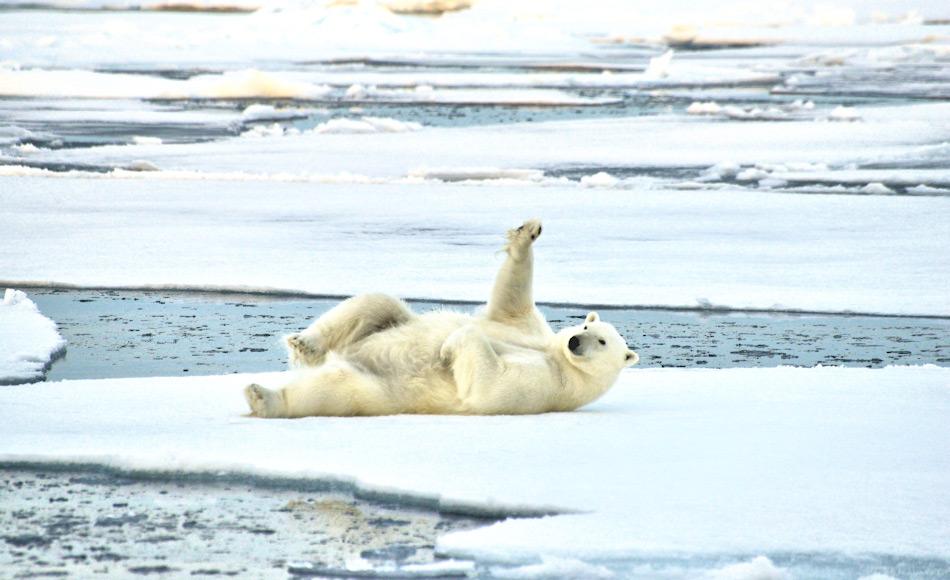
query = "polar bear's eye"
x=585 y=328
x=602 y=341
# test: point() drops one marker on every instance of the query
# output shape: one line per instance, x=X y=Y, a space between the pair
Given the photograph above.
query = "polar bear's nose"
x=573 y=344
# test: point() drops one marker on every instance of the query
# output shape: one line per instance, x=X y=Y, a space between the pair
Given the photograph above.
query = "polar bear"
x=371 y=355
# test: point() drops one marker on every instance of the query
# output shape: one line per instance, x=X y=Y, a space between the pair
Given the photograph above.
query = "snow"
x=675 y=141
x=28 y=340
x=877 y=188
x=366 y=125
x=551 y=567
x=759 y=568
x=599 y=179
x=272 y=130
x=659 y=66
x=448 y=88
x=842 y=113
x=259 y=112
x=360 y=568
x=296 y=30
x=140 y=140
x=834 y=462
x=877 y=254
x=88 y=84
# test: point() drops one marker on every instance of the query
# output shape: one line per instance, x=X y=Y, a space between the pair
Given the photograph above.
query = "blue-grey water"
x=113 y=333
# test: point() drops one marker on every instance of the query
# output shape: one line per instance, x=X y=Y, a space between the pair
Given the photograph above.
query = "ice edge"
x=291 y=293
x=305 y=482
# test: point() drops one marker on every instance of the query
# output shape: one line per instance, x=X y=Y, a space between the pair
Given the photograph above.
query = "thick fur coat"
x=371 y=355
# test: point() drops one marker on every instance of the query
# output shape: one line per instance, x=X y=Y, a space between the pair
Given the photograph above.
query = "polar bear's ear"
x=632 y=358
x=592 y=317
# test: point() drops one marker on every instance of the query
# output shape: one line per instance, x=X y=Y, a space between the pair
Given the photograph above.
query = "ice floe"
x=759 y=568
x=261 y=112
x=601 y=246
x=670 y=463
x=885 y=132
x=29 y=341
x=247 y=83
x=599 y=179
x=366 y=125
x=553 y=567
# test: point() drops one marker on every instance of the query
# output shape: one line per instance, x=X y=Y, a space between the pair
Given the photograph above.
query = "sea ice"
x=825 y=463
x=247 y=83
x=366 y=125
x=675 y=141
x=28 y=340
x=343 y=234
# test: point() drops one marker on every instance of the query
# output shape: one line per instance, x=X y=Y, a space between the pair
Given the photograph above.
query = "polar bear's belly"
x=410 y=351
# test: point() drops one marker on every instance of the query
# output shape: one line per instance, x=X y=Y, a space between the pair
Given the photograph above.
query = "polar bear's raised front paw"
x=523 y=236
x=263 y=402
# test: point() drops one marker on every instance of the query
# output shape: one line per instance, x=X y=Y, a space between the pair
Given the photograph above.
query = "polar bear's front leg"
x=512 y=298
x=476 y=367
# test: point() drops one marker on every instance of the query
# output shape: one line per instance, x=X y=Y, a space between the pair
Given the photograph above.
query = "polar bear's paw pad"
x=524 y=235
x=304 y=350
x=263 y=402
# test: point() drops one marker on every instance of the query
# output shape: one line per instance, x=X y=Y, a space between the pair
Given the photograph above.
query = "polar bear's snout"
x=574 y=344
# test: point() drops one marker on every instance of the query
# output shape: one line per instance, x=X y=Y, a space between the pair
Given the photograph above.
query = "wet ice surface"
x=124 y=333
x=86 y=523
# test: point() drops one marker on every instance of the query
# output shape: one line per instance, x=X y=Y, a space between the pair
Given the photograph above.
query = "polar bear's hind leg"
x=263 y=402
x=336 y=389
x=346 y=323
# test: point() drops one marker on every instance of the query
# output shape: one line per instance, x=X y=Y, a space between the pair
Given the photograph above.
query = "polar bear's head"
x=595 y=347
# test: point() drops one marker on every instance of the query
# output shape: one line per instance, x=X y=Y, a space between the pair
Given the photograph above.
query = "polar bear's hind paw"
x=304 y=350
x=262 y=401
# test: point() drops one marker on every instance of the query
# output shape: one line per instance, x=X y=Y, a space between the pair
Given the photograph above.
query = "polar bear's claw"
x=524 y=235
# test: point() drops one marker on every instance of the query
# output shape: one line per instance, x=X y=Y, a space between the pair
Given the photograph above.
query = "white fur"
x=370 y=355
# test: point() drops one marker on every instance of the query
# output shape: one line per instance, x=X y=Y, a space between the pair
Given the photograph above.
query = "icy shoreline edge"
x=285 y=293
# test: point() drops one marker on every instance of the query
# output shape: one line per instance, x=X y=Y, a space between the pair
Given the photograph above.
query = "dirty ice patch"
x=28 y=340
x=249 y=83
x=422 y=94
x=474 y=174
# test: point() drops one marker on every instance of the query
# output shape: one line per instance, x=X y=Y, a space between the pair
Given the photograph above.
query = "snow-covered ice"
x=667 y=141
x=366 y=125
x=849 y=464
x=28 y=340
x=731 y=248
x=88 y=84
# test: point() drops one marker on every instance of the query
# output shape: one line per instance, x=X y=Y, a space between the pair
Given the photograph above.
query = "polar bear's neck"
x=580 y=387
